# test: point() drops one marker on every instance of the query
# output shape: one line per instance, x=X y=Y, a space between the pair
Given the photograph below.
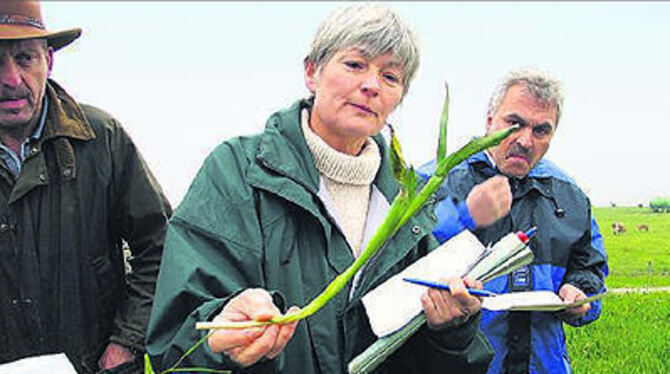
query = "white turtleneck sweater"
x=347 y=179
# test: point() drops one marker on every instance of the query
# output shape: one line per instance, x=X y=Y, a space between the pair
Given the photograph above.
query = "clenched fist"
x=489 y=201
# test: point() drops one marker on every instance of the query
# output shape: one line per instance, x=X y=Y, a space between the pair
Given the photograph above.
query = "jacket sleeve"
x=194 y=284
x=452 y=215
x=587 y=270
x=452 y=218
x=212 y=252
x=139 y=216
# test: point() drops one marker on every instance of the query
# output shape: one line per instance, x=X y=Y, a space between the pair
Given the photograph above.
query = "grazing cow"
x=643 y=227
x=618 y=228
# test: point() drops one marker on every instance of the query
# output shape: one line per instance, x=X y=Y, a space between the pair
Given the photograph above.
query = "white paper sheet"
x=395 y=302
x=46 y=364
x=539 y=301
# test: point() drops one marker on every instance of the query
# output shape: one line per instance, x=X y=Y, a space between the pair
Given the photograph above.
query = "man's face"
x=521 y=151
x=24 y=68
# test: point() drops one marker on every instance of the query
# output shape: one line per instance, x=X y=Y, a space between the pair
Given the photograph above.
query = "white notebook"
x=395 y=302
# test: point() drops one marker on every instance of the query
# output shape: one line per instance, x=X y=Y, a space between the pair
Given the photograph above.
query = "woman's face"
x=354 y=94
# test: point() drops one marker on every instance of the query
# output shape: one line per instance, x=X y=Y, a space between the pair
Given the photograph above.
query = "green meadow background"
x=633 y=332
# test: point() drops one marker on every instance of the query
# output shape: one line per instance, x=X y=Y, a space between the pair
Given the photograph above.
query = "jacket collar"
x=65 y=117
x=283 y=149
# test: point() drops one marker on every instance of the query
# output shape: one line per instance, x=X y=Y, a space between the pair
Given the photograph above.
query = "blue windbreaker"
x=568 y=248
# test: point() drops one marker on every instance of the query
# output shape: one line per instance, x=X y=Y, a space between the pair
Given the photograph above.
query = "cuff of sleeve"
x=266 y=366
x=458 y=337
x=449 y=221
x=464 y=216
x=133 y=341
x=585 y=280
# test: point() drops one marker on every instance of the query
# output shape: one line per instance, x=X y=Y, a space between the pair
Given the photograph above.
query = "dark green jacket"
x=82 y=190
x=252 y=218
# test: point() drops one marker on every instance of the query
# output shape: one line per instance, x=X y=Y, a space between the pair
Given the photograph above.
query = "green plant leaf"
x=398 y=165
x=410 y=182
x=147 y=365
x=474 y=146
x=442 y=143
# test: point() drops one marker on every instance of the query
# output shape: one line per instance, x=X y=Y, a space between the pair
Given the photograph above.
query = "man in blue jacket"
x=512 y=187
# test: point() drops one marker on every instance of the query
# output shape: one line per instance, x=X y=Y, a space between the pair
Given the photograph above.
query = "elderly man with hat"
x=73 y=191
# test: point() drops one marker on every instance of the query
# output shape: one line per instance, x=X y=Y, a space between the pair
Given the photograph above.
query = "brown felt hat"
x=21 y=19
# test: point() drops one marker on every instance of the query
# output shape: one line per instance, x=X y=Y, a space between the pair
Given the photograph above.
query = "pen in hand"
x=442 y=286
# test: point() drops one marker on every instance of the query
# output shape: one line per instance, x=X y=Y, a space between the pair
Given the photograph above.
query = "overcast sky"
x=183 y=77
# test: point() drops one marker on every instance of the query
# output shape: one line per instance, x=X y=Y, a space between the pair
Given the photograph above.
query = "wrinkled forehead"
x=537 y=94
x=19 y=44
x=524 y=97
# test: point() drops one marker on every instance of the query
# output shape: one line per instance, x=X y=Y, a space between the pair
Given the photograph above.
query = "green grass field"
x=636 y=258
x=631 y=336
x=633 y=333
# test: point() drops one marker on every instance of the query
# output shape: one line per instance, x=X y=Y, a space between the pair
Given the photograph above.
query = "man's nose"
x=370 y=85
x=525 y=138
x=10 y=74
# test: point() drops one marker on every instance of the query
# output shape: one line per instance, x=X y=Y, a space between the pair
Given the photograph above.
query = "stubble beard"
x=20 y=128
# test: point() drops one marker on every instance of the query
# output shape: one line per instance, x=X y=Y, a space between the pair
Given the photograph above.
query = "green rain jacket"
x=83 y=188
x=253 y=218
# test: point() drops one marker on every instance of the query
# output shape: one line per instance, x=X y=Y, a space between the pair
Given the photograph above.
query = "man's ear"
x=50 y=60
x=489 y=121
x=310 y=75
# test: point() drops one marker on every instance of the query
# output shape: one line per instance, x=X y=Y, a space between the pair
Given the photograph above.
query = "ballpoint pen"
x=442 y=286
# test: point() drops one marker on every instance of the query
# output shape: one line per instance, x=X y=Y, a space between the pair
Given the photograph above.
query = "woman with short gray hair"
x=272 y=218
x=372 y=29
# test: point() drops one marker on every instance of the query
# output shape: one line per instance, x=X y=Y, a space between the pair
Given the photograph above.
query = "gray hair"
x=375 y=29
x=543 y=86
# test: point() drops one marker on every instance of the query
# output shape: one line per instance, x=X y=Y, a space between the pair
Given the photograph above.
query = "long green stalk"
x=444 y=119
